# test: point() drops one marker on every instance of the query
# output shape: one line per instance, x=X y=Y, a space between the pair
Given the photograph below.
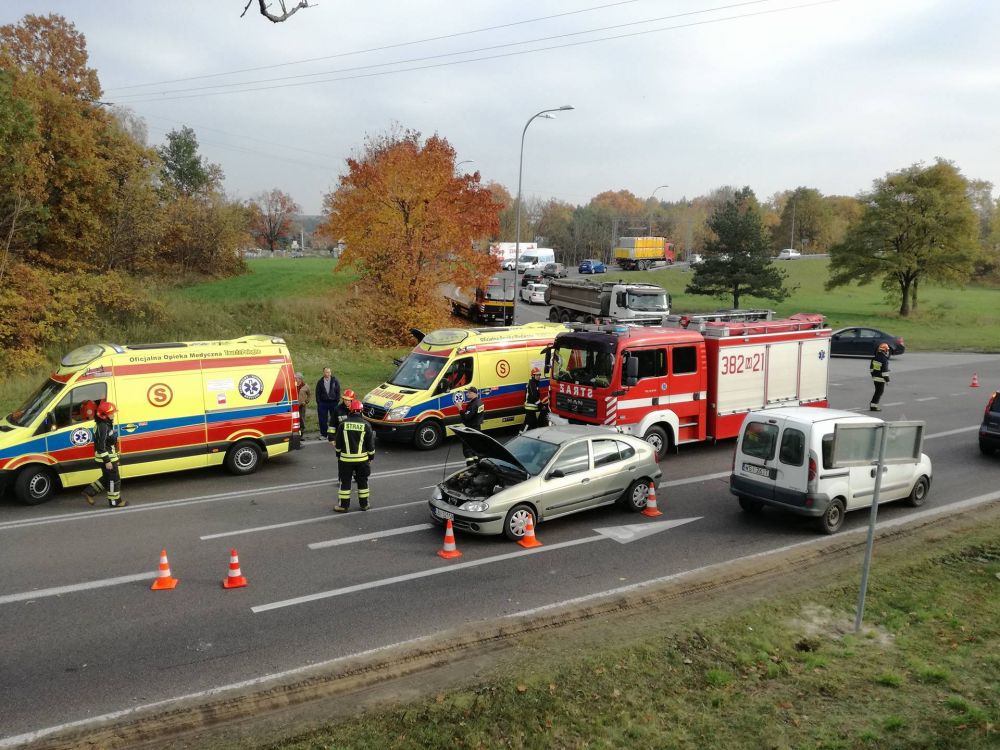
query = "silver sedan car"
x=543 y=474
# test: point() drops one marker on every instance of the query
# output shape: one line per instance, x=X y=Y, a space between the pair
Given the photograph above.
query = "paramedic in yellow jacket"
x=354 y=441
x=105 y=453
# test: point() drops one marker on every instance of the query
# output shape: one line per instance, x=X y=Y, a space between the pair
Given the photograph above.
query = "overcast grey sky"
x=773 y=94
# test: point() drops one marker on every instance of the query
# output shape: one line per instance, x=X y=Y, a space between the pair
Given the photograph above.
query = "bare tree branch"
x=273 y=17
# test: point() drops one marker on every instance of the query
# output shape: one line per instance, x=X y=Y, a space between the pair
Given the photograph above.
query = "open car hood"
x=486 y=447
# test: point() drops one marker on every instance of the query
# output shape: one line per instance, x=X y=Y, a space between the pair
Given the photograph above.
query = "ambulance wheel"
x=243 y=458
x=35 y=485
x=833 y=518
x=919 y=493
x=428 y=435
x=657 y=437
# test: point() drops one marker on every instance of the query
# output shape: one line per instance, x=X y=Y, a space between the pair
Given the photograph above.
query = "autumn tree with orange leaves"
x=408 y=222
x=271 y=214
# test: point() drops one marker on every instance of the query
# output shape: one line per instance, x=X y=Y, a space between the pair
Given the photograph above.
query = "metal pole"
x=871 y=530
x=517 y=227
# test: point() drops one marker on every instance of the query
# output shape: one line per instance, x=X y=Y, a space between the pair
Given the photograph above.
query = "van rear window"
x=759 y=439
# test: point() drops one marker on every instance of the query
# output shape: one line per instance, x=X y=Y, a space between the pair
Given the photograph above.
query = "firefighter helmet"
x=348 y=396
x=356 y=406
x=87 y=410
x=536 y=371
x=883 y=347
x=106 y=410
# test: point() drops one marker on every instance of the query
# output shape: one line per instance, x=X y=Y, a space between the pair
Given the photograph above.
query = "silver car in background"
x=543 y=474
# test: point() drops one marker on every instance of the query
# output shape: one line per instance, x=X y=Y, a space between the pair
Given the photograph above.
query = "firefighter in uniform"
x=355 y=444
x=879 y=368
x=106 y=454
x=343 y=409
x=534 y=402
x=472 y=416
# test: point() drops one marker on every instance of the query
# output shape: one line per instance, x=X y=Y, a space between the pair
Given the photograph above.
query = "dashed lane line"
x=371 y=537
x=926 y=398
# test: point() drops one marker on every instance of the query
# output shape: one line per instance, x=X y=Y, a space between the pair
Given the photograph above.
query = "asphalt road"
x=84 y=636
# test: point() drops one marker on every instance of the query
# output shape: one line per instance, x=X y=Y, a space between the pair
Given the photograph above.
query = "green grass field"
x=298 y=299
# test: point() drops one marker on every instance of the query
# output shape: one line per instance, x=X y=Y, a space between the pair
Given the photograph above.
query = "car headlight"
x=475 y=506
x=436 y=494
x=398 y=413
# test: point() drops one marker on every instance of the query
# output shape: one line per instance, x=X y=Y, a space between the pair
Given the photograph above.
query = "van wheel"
x=831 y=521
x=243 y=458
x=636 y=495
x=919 y=494
x=35 y=485
x=428 y=435
x=516 y=522
x=750 y=505
x=657 y=437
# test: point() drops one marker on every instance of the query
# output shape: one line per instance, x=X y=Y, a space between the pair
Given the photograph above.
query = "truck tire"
x=554 y=315
x=34 y=485
x=657 y=437
x=565 y=317
x=428 y=436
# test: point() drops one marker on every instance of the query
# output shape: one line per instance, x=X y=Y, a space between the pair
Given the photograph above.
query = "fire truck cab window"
x=583 y=366
x=685 y=360
x=652 y=362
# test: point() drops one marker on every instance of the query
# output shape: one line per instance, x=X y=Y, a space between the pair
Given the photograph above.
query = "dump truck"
x=581 y=301
x=488 y=303
x=642 y=253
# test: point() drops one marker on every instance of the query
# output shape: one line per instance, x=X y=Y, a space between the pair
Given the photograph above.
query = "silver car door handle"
x=633 y=467
x=584 y=481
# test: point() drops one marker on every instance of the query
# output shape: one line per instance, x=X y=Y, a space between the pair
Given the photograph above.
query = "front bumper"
x=487 y=523
x=989 y=440
x=395 y=431
x=812 y=504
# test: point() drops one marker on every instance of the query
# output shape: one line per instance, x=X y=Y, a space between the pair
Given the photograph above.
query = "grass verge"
x=789 y=673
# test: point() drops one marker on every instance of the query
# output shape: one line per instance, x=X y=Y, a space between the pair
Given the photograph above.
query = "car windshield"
x=534 y=454
x=656 y=302
x=582 y=366
x=36 y=404
x=499 y=291
x=418 y=371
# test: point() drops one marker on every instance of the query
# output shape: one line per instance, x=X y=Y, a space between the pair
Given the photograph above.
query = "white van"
x=783 y=459
x=537 y=257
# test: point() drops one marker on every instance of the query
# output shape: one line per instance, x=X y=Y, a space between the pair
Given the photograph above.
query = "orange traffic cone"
x=235 y=578
x=449 y=550
x=651 y=510
x=529 y=540
x=975 y=380
x=164 y=579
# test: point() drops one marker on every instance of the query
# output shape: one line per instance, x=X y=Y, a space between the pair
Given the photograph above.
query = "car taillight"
x=812 y=469
x=899 y=340
x=734 y=459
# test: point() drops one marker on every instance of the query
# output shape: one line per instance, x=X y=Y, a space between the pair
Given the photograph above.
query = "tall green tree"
x=738 y=258
x=806 y=222
x=918 y=224
x=184 y=169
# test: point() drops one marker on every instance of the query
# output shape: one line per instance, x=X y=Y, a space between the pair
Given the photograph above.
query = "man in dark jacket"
x=879 y=368
x=105 y=453
x=327 y=398
x=355 y=444
x=471 y=414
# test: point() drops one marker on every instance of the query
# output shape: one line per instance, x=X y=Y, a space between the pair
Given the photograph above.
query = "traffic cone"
x=235 y=579
x=164 y=579
x=449 y=550
x=529 y=540
x=975 y=380
x=651 y=509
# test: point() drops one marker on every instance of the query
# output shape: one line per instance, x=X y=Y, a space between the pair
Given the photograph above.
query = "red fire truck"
x=692 y=382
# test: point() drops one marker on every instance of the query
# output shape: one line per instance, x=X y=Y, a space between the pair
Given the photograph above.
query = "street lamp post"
x=651 y=196
x=546 y=113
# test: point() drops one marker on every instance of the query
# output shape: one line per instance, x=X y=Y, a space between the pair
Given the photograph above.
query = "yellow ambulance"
x=181 y=405
x=423 y=398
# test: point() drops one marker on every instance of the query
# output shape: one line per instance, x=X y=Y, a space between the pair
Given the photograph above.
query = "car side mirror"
x=556 y=474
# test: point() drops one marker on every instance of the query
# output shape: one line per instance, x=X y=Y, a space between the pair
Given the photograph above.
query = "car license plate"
x=761 y=471
x=444 y=515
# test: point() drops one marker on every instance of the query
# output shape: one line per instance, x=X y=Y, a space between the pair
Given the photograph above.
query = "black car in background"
x=989 y=430
x=532 y=275
x=863 y=342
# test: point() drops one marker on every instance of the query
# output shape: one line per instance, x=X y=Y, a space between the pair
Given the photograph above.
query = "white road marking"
x=896 y=403
x=202 y=696
x=368 y=537
x=73 y=588
x=926 y=398
x=836 y=385
x=959 y=431
x=624 y=535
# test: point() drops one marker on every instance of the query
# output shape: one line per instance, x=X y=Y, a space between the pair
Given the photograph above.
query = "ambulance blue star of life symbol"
x=251 y=387
x=80 y=436
x=822 y=354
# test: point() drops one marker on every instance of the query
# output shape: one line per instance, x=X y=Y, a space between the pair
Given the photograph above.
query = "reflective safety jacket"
x=105 y=442
x=354 y=440
x=533 y=396
x=879 y=367
x=472 y=415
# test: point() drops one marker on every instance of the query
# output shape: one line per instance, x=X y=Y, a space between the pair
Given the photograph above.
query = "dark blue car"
x=592 y=266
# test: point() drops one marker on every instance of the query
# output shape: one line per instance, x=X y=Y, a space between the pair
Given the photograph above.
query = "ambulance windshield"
x=418 y=371
x=582 y=366
x=36 y=404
